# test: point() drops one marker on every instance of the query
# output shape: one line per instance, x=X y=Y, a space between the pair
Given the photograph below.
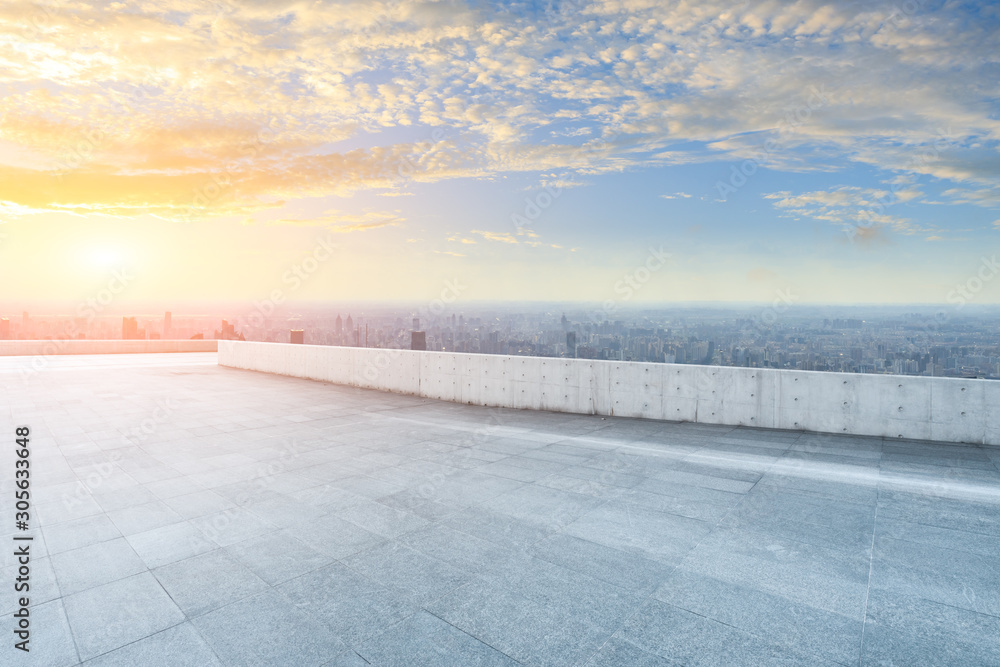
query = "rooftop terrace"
x=187 y=513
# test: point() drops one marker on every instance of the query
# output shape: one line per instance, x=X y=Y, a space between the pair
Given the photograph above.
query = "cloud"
x=682 y=195
x=528 y=238
x=501 y=237
x=985 y=197
x=850 y=207
x=340 y=222
x=561 y=183
x=266 y=96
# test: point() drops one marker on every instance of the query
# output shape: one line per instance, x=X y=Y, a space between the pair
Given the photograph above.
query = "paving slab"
x=274 y=520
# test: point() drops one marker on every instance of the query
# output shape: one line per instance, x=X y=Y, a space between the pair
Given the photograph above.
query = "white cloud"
x=850 y=207
x=268 y=93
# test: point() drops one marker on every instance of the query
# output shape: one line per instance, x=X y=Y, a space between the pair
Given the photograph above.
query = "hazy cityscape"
x=575 y=333
x=903 y=340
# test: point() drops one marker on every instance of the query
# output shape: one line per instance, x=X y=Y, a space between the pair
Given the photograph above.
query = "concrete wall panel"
x=891 y=406
x=35 y=348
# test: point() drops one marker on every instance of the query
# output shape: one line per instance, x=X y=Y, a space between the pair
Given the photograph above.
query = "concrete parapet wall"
x=892 y=406
x=34 y=348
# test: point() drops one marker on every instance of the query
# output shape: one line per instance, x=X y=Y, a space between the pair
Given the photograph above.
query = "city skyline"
x=544 y=332
x=897 y=340
x=847 y=153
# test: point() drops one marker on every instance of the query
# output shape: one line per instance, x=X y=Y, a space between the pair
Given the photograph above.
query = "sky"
x=699 y=151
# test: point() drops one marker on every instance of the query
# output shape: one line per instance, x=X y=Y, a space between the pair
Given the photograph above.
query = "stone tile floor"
x=186 y=513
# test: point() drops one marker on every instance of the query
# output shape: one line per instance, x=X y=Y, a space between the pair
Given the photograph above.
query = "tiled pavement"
x=193 y=514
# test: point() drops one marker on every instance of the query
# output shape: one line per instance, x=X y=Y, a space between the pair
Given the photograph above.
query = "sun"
x=104 y=257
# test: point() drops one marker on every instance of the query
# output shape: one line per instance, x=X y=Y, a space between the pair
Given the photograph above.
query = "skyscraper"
x=130 y=328
x=4 y=328
x=418 y=340
x=167 y=324
x=297 y=336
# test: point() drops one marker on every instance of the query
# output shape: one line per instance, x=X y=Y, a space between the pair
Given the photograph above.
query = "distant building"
x=571 y=343
x=198 y=336
x=418 y=340
x=228 y=332
x=416 y=324
x=4 y=328
x=297 y=336
x=167 y=324
x=130 y=328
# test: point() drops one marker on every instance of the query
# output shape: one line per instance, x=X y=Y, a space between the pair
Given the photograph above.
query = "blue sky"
x=845 y=151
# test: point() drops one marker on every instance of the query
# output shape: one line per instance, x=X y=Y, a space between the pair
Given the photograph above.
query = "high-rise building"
x=571 y=343
x=130 y=328
x=416 y=324
x=297 y=336
x=228 y=332
x=4 y=328
x=338 y=327
x=418 y=340
x=167 y=324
